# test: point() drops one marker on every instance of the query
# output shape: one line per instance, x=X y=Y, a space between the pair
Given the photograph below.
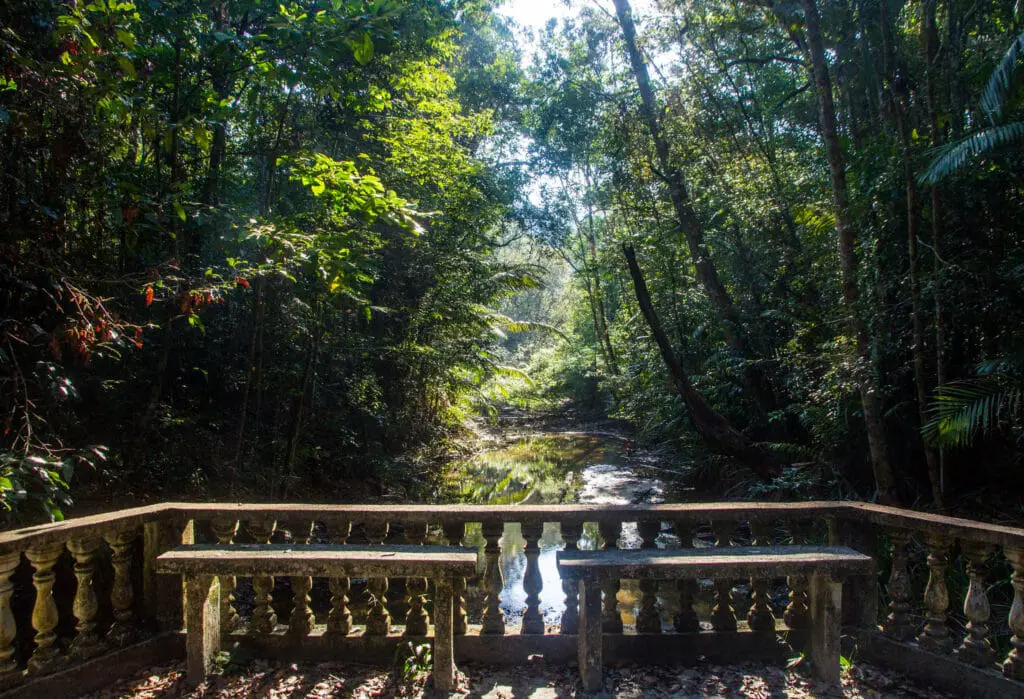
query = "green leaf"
x=126 y=38
x=127 y=66
x=180 y=210
x=363 y=50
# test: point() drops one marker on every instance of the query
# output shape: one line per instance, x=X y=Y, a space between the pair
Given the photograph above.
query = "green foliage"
x=963 y=410
x=953 y=156
x=415 y=660
x=248 y=245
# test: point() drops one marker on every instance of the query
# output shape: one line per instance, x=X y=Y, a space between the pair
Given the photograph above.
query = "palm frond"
x=952 y=157
x=962 y=409
x=993 y=100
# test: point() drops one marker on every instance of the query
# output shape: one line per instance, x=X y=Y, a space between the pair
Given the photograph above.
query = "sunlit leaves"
x=362 y=48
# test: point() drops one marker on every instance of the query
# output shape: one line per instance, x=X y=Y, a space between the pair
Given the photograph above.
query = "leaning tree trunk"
x=870 y=391
x=689 y=224
x=712 y=426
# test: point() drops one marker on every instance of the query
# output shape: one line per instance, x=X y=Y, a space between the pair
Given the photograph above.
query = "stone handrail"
x=134 y=603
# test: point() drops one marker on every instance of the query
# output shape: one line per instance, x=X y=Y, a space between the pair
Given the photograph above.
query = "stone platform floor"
x=534 y=680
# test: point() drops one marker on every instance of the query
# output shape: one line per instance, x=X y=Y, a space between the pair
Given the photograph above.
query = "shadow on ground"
x=535 y=680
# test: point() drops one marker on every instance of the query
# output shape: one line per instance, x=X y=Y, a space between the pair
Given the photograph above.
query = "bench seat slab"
x=736 y=561
x=316 y=560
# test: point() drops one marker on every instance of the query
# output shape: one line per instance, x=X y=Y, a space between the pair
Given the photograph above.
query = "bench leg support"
x=591 y=651
x=826 y=626
x=444 y=643
x=202 y=621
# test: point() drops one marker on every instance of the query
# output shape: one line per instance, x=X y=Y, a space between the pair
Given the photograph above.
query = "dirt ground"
x=534 y=680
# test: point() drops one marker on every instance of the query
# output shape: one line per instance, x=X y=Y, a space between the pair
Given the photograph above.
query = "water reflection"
x=564 y=468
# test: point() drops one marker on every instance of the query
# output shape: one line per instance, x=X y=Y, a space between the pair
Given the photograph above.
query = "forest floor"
x=536 y=680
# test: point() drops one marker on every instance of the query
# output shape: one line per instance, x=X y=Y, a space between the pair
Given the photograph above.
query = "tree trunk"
x=712 y=426
x=931 y=50
x=600 y=313
x=867 y=381
x=689 y=224
x=899 y=103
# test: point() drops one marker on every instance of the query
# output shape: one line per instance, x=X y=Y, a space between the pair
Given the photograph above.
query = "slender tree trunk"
x=711 y=425
x=600 y=313
x=689 y=224
x=931 y=50
x=868 y=384
x=899 y=98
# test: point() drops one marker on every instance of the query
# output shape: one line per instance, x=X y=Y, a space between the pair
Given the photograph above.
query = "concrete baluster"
x=8 y=627
x=533 y=621
x=798 y=611
x=1013 y=666
x=339 y=619
x=723 y=616
x=493 y=619
x=648 y=618
x=935 y=635
x=454 y=532
x=611 y=619
x=46 y=656
x=264 y=619
x=760 y=617
x=976 y=648
x=378 y=618
x=225 y=530
x=571 y=532
x=898 y=624
x=416 y=618
x=302 y=619
x=685 y=620
x=122 y=596
x=87 y=642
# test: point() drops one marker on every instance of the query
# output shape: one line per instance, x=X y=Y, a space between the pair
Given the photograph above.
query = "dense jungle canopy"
x=267 y=250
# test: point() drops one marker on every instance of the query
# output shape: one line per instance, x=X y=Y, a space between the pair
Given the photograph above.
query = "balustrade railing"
x=74 y=592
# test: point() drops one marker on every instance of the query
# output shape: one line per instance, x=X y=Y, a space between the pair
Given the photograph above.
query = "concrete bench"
x=825 y=565
x=201 y=565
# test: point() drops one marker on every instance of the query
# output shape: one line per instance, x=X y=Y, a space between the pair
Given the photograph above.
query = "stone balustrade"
x=80 y=603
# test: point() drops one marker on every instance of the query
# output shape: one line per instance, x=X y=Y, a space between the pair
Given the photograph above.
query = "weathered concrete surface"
x=202 y=623
x=92 y=526
x=202 y=565
x=103 y=671
x=826 y=626
x=591 y=645
x=444 y=646
x=939 y=670
x=737 y=561
x=320 y=560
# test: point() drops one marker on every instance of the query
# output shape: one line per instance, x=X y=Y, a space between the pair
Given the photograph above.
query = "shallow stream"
x=554 y=468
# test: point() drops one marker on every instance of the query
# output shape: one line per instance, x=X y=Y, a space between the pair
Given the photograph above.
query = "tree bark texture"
x=689 y=224
x=870 y=392
x=712 y=426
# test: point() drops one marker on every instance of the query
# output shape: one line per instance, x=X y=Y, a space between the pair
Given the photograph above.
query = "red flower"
x=149 y=295
x=242 y=282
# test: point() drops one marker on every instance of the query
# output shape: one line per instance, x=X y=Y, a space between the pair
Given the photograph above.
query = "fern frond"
x=997 y=90
x=952 y=157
